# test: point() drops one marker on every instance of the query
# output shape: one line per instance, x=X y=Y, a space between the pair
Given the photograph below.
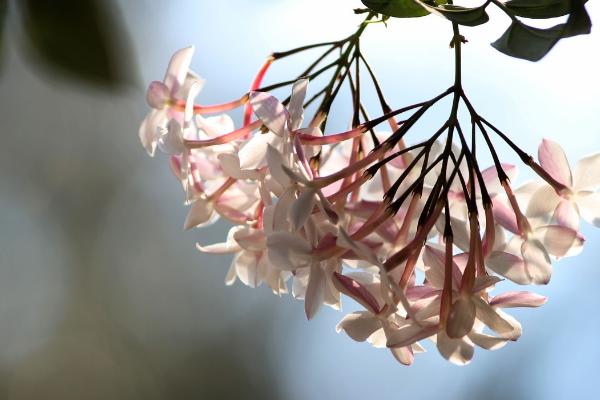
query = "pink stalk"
x=256 y=83
x=350 y=169
x=522 y=222
x=399 y=257
x=402 y=236
x=214 y=108
x=228 y=137
x=331 y=139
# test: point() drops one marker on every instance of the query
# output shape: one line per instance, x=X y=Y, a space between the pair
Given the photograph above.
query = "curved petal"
x=157 y=94
x=509 y=266
x=270 y=111
x=518 y=299
x=315 y=291
x=587 y=173
x=559 y=240
x=542 y=203
x=566 y=214
x=537 y=262
x=487 y=342
x=554 y=161
x=171 y=139
x=302 y=208
x=457 y=351
x=404 y=355
x=178 y=68
x=201 y=213
x=589 y=207
x=461 y=318
x=288 y=251
x=359 y=325
x=296 y=107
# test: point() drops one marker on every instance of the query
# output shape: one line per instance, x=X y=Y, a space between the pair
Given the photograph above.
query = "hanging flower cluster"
x=418 y=234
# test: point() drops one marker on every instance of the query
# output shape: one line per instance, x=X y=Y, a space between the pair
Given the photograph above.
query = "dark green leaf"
x=461 y=15
x=539 y=9
x=533 y=44
x=80 y=38
x=396 y=8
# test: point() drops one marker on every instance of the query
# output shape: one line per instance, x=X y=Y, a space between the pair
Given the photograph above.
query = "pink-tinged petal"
x=457 y=351
x=359 y=325
x=587 y=173
x=315 y=291
x=404 y=355
x=296 y=107
x=509 y=266
x=487 y=342
x=251 y=239
x=504 y=215
x=559 y=240
x=542 y=203
x=490 y=177
x=288 y=251
x=518 y=299
x=178 y=68
x=282 y=207
x=589 y=207
x=157 y=95
x=201 y=213
x=566 y=214
x=302 y=208
x=489 y=316
x=356 y=291
x=270 y=111
x=230 y=163
x=409 y=334
x=537 y=262
x=461 y=318
x=554 y=161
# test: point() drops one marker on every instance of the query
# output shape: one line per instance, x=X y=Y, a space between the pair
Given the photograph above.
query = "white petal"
x=230 y=246
x=247 y=269
x=554 y=161
x=315 y=291
x=587 y=173
x=201 y=213
x=359 y=325
x=559 y=240
x=457 y=351
x=179 y=66
x=149 y=129
x=487 y=342
x=537 y=262
x=296 y=107
x=542 y=203
x=462 y=317
x=589 y=207
x=489 y=316
x=409 y=334
x=270 y=111
x=302 y=208
x=403 y=355
x=288 y=251
x=275 y=162
x=509 y=266
x=566 y=214
x=250 y=239
x=171 y=139
x=253 y=153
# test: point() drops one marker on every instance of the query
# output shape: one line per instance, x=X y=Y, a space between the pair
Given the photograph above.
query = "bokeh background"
x=103 y=296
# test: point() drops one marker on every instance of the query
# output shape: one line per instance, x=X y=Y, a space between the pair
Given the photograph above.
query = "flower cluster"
x=418 y=235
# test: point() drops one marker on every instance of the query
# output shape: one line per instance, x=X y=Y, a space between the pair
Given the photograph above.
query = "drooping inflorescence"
x=418 y=234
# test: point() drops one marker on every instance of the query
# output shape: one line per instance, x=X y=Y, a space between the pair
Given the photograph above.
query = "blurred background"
x=102 y=296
